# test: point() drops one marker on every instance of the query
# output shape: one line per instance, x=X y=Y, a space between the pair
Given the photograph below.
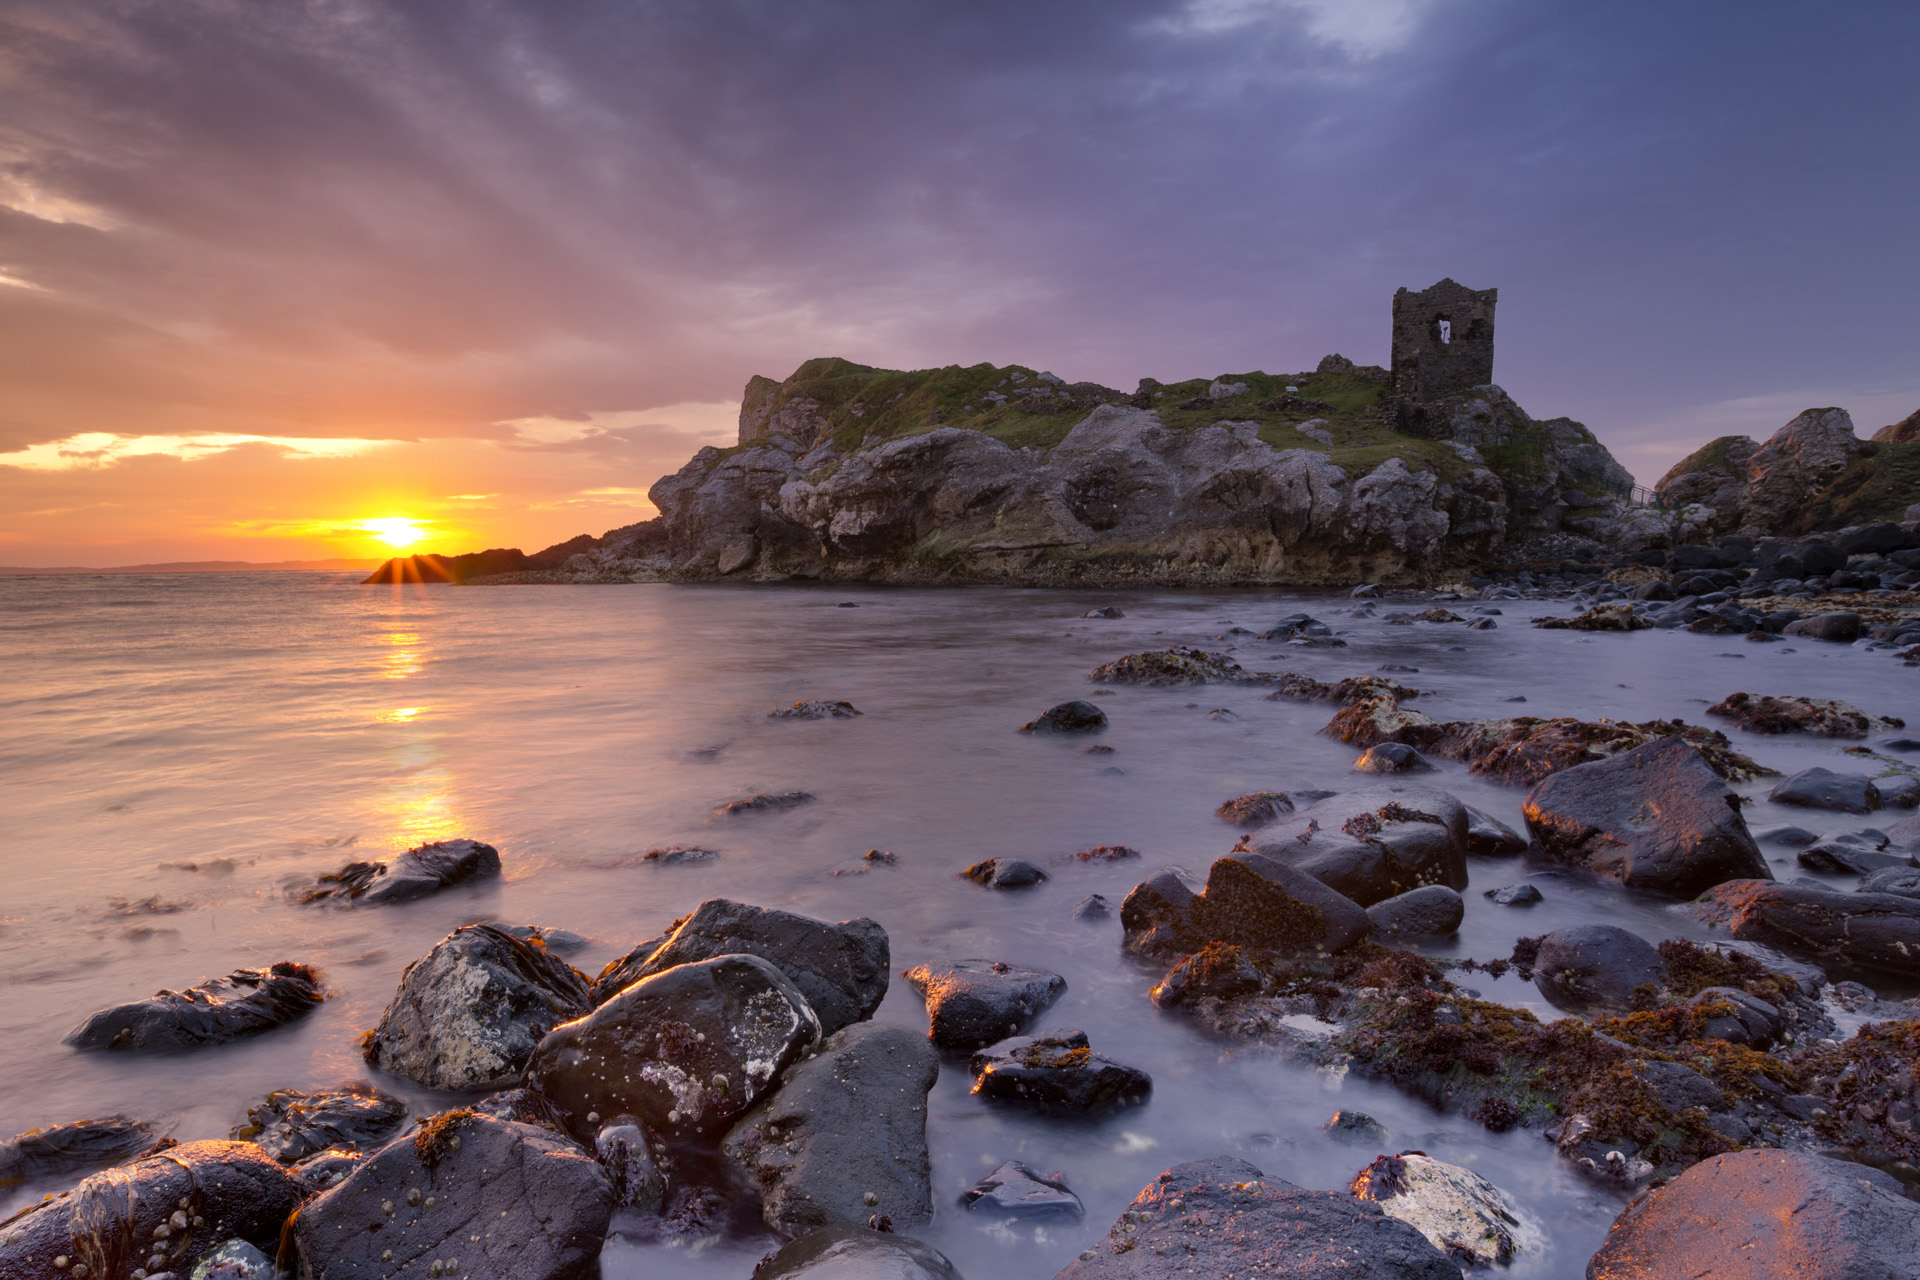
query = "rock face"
x=974 y=1003
x=842 y=969
x=1799 y=461
x=1655 y=817
x=1058 y=1072
x=1460 y=1212
x=244 y=1003
x=849 y=1123
x=1756 y=1215
x=482 y=1198
x=290 y=1125
x=414 y=874
x=855 y=1253
x=469 y=1013
x=1595 y=966
x=158 y=1214
x=70 y=1148
x=1249 y=900
x=1224 y=1217
x=1874 y=930
x=687 y=1051
x=1376 y=842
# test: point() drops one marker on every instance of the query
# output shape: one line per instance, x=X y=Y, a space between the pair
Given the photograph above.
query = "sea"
x=178 y=752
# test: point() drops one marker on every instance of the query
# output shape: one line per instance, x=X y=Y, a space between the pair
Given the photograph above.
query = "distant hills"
x=195 y=566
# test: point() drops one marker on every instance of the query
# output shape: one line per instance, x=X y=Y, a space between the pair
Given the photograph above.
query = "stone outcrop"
x=1810 y=474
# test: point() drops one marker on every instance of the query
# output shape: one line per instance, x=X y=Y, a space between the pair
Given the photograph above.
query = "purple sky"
x=472 y=226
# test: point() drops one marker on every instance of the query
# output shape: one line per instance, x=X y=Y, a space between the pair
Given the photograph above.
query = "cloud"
x=1360 y=28
x=718 y=420
x=104 y=449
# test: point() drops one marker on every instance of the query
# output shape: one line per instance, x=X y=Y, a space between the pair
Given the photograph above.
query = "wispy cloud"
x=718 y=419
x=95 y=449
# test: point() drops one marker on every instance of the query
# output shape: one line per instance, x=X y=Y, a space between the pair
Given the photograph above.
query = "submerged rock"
x=1392 y=757
x=1818 y=788
x=764 y=802
x=1821 y=717
x=1255 y=809
x=845 y=1138
x=1377 y=842
x=1515 y=895
x=1015 y=1191
x=1596 y=966
x=1874 y=930
x=1857 y=853
x=1461 y=1213
x=1170 y=668
x=1488 y=837
x=416 y=873
x=467 y=1196
x=70 y=1148
x=1069 y=717
x=973 y=1003
x=244 y=1003
x=855 y=1253
x=625 y=1151
x=1004 y=873
x=815 y=711
x=468 y=1014
x=290 y=1125
x=1601 y=617
x=1057 y=1072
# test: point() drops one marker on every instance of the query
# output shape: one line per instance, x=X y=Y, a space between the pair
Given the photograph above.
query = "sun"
x=396 y=533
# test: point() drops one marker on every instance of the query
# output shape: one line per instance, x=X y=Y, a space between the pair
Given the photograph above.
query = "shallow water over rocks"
x=180 y=751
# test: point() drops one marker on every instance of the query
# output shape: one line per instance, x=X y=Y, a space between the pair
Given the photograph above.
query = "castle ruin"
x=1442 y=343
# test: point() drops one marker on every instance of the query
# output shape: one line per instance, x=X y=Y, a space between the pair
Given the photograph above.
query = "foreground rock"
x=855 y=1253
x=1458 y=1211
x=1596 y=966
x=290 y=1125
x=71 y=1148
x=1015 y=1191
x=467 y=1196
x=687 y=1051
x=842 y=969
x=468 y=1014
x=845 y=1138
x=1224 y=1217
x=1756 y=1215
x=159 y=1214
x=1249 y=900
x=416 y=873
x=1873 y=930
x=1820 y=717
x=1057 y=1072
x=244 y=1003
x=1655 y=818
x=1377 y=842
x=974 y=1003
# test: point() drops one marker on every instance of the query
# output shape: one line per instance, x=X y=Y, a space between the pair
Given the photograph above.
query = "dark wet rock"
x=414 y=874
x=1739 y=1017
x=975 y=1003
x=1170 y=668
x=1595 y=966
x=1515 y=895
x=1819 y=788
x=1784 y=837
x=1460 y=1213
x=855 y=1253
x=1224 y=1217
x=842 y=969
x=1820 y=717
x=1218 y=971
x=1677 y=1086
x=816 y=711
x=538 y=1205
x=468 y=1013
x=1056 y=1072
x=1758 y=1214
x=1255 y=809
x=1872 y=930
x=1354 y=1126
x=161 y=1213
x=1249 y=900
x=1482 y=624
x=845 y=1138
x=686 y=1052
x=72 y=1148
x=1069 y=717
x=620 y=974
x=522 y=1106
x=1376 y=842
x=1859 y=853
x=1092 y=907
x=765 y=802
x=244 y=1003
x=1431 y=912
x=1004 y=873
x=1015 y=1191
x=234 y=1260
x=1836 y=628
x=1110 y=611
x=290 y=1125
x=1653 y=818
x=1601 y=617
x=562 y=942
x=628 y=1154
x=1904 y=881
x=1905 y=745
x=325 y=1170
x=1392 y=757
x=679 y=855
x=1488 y=837
x=1898 y=791
x=1107 y=853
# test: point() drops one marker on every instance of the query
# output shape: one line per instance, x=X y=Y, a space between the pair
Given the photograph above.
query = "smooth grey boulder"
x=1595 y=966
x=973 y=1003
x=1056 y=1072
x=1004 y=873
x=1376 y=842
x=161 y=1213
x=842 y=969
x=1818 y=788
x=290 y=1125
x=1784 y=836
x=686 y=1052
x=465 y=1195
x=1656 y=817
x=1859 y=853
x=468 y=1013
x=1432 y=912
x=1015 y=1191
x=1761 y=1214
x=416 y=873
x=1224 y=1217
x=244 y=1003
x=1516 y=895
x=855 y=1253
x=845 y=1138
x=1873 y=930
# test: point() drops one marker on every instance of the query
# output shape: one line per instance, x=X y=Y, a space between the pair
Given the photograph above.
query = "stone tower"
x=1442 y=342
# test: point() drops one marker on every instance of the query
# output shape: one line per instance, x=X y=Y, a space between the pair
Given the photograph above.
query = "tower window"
x=1446 y=331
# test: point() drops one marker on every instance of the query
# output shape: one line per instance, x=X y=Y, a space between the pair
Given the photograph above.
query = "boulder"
x=626 y=1151
x=1015 y=1191
x=161 y=1213
x=1601 y=617
x=244 y=1003
x=1760 y=1214
x=1004 y=873
x=845 y=1138
x=1819 y=788
x=1392 y=757
x=1488 y=837
x=1656 y=817
x=815 y=711
x=855 y=1253
x=1218 y=971
x=290 y=1125
x=1739 y=1017
x=1461 y=1213
x=1223 y=1217
x=464 y=1195
x=1898 y=790
x=974 y=1003
x=1376 y=842
x=414 y=874
x=1169 y=668
x=1057 y=1072
x=687 y=1052
x=1432 y=912
x=1799 y=460
x=1820 y=717
x=1904 y=881
x=1250 y=900
x=1835 y=628
x=1859 y=853
x=1515 y=895
x=1255 y=809
x=1077 y=716
x=1595 y=967
x=1872 y=930
x=81 y=1145
x=468 y=1013
x=842 y=969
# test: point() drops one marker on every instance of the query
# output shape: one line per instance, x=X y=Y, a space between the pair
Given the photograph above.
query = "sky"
x=271 y=271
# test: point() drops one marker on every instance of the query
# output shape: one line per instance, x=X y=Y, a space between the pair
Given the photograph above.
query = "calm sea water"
x=175 y=751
